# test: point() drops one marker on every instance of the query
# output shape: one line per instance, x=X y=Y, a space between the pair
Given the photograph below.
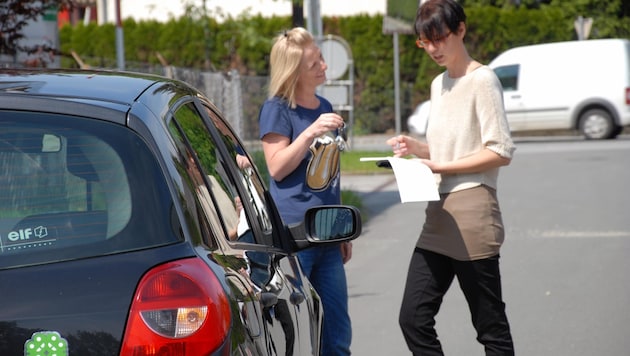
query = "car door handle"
x=268 y=299
x=515 y=96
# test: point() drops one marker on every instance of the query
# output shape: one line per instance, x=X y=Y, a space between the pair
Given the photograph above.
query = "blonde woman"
x=294 y=122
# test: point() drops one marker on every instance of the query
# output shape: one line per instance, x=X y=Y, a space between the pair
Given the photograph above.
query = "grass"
x=350 y=163
x=349 y=197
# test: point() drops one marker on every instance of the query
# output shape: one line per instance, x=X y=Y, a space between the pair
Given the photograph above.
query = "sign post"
x=339 y=86
x=400 y=16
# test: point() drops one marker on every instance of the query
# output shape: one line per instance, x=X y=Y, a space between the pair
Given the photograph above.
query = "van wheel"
x=597 y=124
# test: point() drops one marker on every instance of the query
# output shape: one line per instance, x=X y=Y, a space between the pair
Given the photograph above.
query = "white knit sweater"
x=467 y=115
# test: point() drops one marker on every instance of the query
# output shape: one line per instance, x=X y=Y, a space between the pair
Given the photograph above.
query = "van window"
x=74 y=187
x=508 y=76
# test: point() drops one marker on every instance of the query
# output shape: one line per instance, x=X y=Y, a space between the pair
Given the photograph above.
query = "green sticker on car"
x=46 y=343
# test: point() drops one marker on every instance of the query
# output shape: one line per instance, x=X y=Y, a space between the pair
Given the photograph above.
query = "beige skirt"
x=465 y=225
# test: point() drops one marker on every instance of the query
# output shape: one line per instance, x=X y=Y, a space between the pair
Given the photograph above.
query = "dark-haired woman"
x=467 y=140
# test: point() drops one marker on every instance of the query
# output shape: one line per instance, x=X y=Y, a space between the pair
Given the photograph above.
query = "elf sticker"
x=27 y=238
x=46 y=343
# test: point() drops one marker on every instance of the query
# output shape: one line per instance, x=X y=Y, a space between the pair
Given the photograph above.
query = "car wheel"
x=597 y=124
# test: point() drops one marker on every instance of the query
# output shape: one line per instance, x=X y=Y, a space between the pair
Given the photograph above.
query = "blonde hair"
x=284 y=63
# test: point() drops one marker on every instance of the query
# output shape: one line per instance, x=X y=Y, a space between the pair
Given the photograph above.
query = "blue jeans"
x=324 y=268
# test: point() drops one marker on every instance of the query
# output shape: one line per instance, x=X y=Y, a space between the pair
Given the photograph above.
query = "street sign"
x=337 y=58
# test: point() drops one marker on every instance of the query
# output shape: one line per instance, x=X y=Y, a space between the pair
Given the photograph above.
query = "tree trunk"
x=298 y=13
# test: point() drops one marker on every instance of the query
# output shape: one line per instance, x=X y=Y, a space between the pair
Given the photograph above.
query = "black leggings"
x=429 y=277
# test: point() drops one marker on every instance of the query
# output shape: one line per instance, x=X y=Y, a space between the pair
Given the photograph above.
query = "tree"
x=15 y=14
x=297 y=11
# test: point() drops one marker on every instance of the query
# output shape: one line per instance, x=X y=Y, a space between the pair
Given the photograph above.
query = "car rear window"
x=74 y=187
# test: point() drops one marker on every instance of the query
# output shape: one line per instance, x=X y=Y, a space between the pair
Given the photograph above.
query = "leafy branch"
x=16 y=14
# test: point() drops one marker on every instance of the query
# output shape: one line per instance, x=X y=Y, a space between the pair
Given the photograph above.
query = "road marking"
x=581 y=234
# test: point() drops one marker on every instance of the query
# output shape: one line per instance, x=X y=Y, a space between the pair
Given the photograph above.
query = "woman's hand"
x=433 y=166
x=346 y=251
x=405 y=145
x=283 y=156
x=399 y=145
x=325 y=123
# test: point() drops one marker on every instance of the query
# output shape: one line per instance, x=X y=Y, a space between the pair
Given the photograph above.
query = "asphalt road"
x=565 y=263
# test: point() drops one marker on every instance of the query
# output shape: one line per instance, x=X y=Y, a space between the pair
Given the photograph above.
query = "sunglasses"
x=424 y=43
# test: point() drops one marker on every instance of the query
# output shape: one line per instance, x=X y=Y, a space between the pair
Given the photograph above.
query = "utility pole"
x=297 y=10
x=314 y=19
x=583 y=27
x=206 y=35
x=120 y=42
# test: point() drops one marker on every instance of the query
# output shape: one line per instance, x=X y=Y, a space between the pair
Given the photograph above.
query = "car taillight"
x=627 y=96
x=180 y=308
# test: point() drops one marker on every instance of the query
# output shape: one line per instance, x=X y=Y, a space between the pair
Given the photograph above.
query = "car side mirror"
x=326 y=225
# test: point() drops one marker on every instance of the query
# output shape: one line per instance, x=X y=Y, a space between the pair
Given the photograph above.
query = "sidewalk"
x=374 y=142
x=368 y=183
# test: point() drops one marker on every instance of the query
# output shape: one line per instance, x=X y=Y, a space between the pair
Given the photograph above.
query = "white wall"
x=163 y=10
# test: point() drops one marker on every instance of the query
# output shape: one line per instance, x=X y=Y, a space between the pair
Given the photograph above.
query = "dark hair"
x=434 y=15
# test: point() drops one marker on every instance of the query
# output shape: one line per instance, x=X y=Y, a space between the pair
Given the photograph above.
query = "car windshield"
x=76 y=187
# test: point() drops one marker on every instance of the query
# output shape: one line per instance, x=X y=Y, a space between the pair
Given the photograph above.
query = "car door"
x=512 y=97
x=275 y=301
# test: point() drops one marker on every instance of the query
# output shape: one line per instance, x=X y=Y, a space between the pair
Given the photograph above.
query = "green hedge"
x=243 y=43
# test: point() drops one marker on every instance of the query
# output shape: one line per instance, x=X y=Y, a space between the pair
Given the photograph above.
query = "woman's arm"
x=283 y=156
x=481 y=161
x=405 y=145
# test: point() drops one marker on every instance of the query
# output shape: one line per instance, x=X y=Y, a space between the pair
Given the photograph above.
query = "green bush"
x=243 y=43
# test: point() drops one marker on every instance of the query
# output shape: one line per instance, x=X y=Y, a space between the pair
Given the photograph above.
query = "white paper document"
x=414 y=179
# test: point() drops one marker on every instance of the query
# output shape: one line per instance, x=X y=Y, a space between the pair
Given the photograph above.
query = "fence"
x=238 y=97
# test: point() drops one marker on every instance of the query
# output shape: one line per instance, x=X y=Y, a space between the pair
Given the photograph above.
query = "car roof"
x=116 y=87
x=107 y=95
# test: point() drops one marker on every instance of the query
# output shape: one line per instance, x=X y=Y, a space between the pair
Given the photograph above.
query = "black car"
x=133 y=222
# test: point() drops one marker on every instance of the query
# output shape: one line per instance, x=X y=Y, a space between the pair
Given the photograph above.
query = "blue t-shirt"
x=292 y=195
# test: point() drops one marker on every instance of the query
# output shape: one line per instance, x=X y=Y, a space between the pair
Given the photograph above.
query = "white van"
x=581 y=85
